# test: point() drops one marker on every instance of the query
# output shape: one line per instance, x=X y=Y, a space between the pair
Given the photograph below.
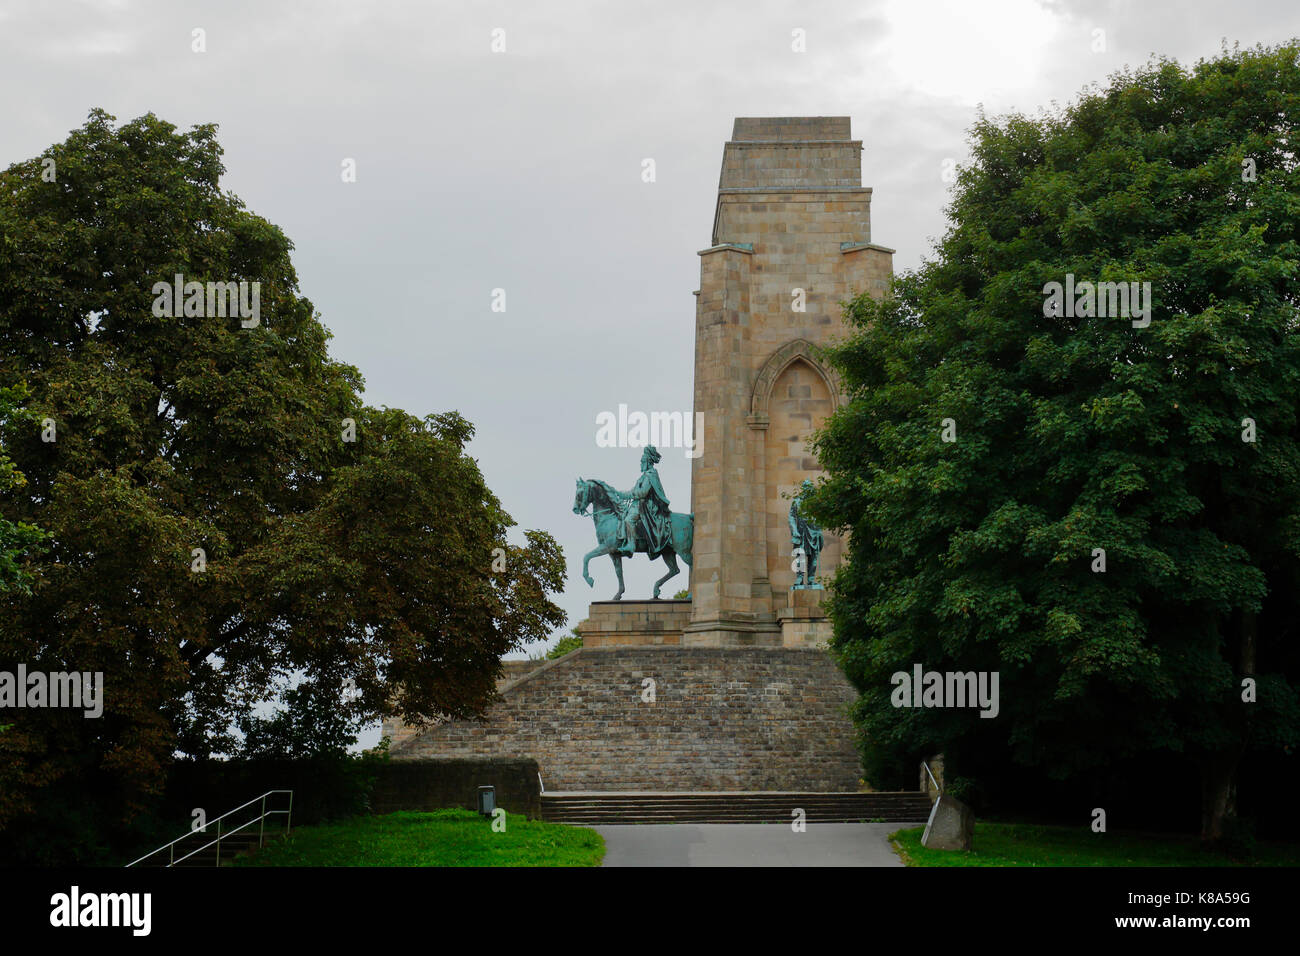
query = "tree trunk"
x=1219 y=772
x=1218 y=794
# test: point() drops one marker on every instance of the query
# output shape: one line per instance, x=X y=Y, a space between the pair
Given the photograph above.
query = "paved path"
x=749 y=844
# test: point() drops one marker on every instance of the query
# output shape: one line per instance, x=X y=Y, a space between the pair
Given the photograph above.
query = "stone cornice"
x=786 y=190
x=795 y=143
x=746 y=247
x=847 y=247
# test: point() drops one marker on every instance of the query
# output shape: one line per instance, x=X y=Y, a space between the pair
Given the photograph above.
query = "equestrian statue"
x=635 y=522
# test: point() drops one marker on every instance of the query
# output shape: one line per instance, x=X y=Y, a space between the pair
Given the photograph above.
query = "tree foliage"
x=1086 y=433
x=569 y=642
x=18 y=539
x=322 y=559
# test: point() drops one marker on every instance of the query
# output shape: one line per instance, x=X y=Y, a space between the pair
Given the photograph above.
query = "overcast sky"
x=521 y=170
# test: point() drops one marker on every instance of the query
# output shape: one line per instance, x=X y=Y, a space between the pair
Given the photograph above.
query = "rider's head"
x=650 y=456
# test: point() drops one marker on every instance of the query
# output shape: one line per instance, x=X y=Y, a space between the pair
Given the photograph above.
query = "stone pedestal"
x=803 y=622
x=733 y=634
x=634 y=623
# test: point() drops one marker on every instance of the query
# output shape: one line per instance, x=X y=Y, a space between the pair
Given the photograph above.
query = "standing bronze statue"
x=807 y=540
x=635 y=522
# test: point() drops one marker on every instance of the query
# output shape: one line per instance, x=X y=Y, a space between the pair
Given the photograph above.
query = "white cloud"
x=971 y=52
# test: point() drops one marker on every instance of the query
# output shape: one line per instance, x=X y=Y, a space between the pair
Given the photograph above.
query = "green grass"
x=439 y=838
x=1020 y=844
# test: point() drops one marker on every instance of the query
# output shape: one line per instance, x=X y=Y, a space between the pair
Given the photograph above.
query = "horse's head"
x=580 y=498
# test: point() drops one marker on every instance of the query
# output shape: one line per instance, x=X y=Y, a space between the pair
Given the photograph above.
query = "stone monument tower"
x=791 y=240
x=743 y=699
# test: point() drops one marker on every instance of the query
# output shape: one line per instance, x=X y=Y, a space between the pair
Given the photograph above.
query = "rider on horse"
x=646 y=508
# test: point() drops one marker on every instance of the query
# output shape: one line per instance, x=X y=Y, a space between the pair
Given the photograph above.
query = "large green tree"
x=17 y=539
x=1077 y=435
x=226 y=515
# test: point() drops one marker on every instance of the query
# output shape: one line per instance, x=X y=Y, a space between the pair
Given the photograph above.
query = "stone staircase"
x=232 y=834
x=231 y=847
x=591 y=808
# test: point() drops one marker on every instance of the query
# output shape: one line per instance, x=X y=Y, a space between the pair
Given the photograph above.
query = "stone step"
x=732 y=821
x=784 y=809
x=230 y=847
x=729 y=801
x=756 y=807
x=785 y=813
x=606 y=820
x=685 y=801
x=718 y=794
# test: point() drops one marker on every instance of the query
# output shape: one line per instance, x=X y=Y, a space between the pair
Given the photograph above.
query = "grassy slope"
x=1018 y=844
x=440 y=838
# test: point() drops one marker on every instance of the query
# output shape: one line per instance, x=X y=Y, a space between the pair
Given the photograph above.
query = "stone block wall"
x=436 y=784
x=721 y=719
x=797 y=129
x=398 y=731
x=511 y=671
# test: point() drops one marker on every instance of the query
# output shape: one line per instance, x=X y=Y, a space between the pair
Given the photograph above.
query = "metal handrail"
x=261 y=839
x=926 y=765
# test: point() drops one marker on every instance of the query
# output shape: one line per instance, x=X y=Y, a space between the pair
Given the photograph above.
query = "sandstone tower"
x=792 y=214
x=745 y=699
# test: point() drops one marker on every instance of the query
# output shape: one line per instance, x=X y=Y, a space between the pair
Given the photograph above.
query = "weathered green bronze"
x=807 y=540
x=635 y=522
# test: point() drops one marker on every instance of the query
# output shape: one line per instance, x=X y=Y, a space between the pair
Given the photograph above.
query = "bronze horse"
x=607 y=516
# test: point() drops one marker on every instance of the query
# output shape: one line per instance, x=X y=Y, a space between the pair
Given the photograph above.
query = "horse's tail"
x=683 y=526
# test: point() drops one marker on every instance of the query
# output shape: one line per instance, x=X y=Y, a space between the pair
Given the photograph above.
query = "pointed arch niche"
x=800 y=350
x=793 y=395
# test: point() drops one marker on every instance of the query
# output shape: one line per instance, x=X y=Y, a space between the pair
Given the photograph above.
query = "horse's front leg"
x=593 y=553
x=618 y=569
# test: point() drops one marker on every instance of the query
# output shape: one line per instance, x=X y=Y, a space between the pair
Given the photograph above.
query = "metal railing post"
x=218 y=841
x=261 y=825
x=938 y=790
